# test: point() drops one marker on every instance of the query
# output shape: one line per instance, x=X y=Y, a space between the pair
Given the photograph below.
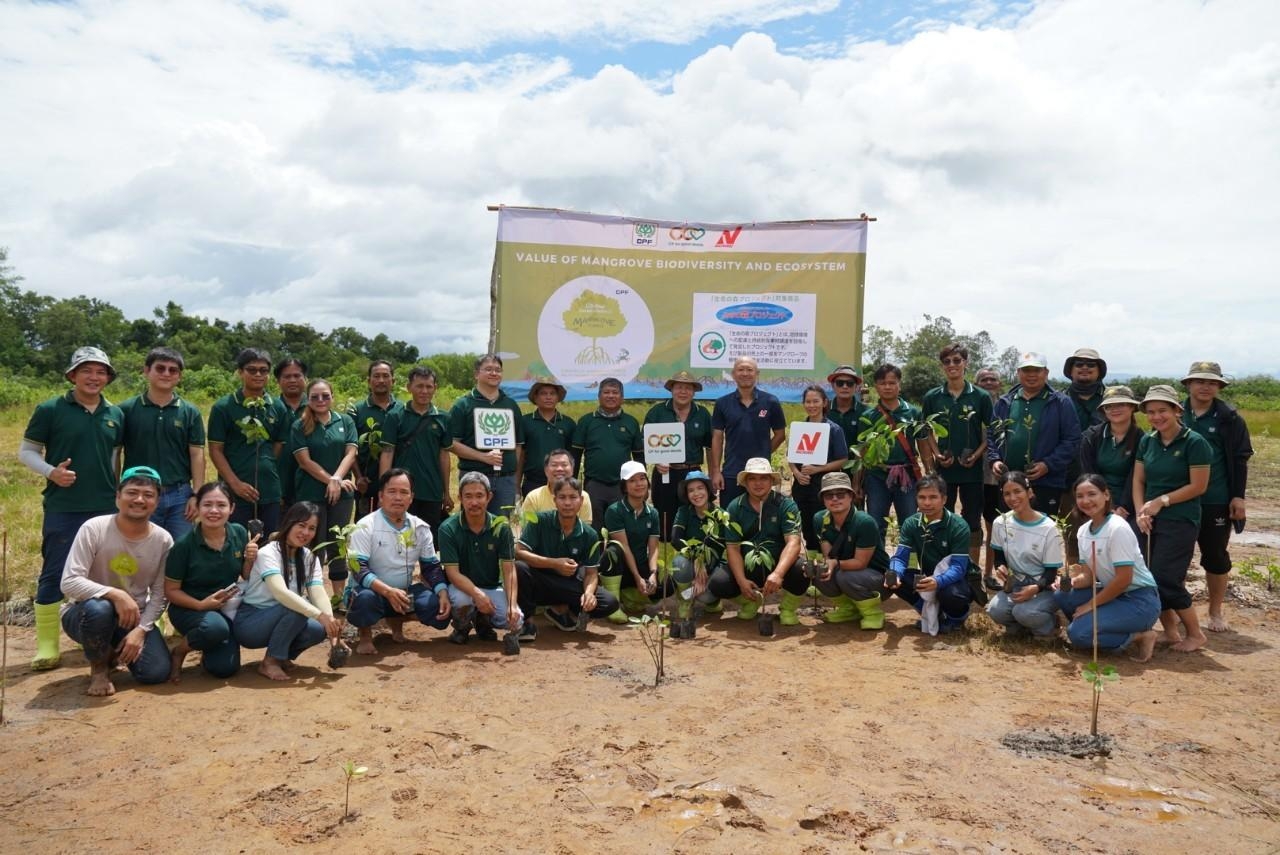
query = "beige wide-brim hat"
x=1160 y=393
x=1206 y=371
x=538 y=384
x=758 y=466
x=1118 y=395
x=1088 y=354
x=683 y=377
x=833 y=481
x=845 y=371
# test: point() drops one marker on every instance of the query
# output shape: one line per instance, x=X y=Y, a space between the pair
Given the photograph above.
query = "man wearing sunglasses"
x=247 y=429
x=164 y=431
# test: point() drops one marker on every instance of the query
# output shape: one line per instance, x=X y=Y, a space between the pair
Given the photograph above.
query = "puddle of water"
x=1121 y=788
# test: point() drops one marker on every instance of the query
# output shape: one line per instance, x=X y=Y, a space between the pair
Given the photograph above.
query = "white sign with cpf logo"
x=495 y=429
x=807 y=442
x=664 y=443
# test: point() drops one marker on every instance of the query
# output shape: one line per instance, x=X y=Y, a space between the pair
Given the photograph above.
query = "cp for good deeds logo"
x=495 y=424
x=664 y=440
x=686 y=233
x=712 y=345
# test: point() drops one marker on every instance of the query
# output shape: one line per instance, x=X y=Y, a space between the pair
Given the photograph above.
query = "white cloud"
x=1096 y=173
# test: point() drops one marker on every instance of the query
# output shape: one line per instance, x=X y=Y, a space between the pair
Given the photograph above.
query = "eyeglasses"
x=256 y=370
x=1085 y=363
x=166 y=369
x=953 y=360
x=320 y=396
x=844 y=383
x=491 y=369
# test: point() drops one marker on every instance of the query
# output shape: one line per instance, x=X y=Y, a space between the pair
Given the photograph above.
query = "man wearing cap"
x=545 y=429
x=1223 y=505
x=1035 y=430
x=559 y=465
x=166 y=432
x=847 y=409
x=247 y=429
x=72 y=441
x=764 y=517
x=370 y=416
x=416 y=437
x=965 y=411
x=748 y=422
x=629 y=569
x=604 y=440
x=114 y=584
x=854 y=553
x=697 y=439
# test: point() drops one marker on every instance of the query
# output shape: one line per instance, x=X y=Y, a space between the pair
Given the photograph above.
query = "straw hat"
x=758 y=466
x=844 y=371
x=538 y=384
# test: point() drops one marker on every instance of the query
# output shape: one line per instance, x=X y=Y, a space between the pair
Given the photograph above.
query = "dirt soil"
x=820 y=739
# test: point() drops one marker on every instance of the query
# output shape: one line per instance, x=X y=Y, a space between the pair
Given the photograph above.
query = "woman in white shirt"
x=1028 y=553
x=1126 y=601
x=285 y=608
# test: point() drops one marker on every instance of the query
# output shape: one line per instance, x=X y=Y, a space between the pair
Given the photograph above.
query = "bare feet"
x=176 y=658
x=1191 y=643
x=365 y=646
x=270 y=668
x=1172 y=638
x=100 y=685
x=1143 y=645
x=397 y=630
x=1217 y=623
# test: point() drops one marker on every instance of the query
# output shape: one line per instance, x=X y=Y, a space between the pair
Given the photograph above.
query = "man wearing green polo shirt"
x=370 y=415
x=939 y=589
x=545 y=429
x=604 y=440
x=247 y=430
x=629 y=569
x=697 y=439
x=965 y=412
x=893 y=483
x=1223 y=504
x=291 y=379
x=73 y=442
x=764 y=517
x=416 y=437
x=556 y=560
x=166 y=432
x=477 y=549
x=498 y=465
x=854 y=553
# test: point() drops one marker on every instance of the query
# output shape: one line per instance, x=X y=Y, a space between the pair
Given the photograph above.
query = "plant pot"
x=583 y=620
x=689 y=629
x=764 y=623
x=255 y=528
x=510 y=644
x=676 y=630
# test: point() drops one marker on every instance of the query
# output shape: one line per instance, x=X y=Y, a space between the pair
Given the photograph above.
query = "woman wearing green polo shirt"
x=324 y=443
x=1170 y=474
x=201 y=575
x=1109 y=448
x=696 y=523
x=629 y=569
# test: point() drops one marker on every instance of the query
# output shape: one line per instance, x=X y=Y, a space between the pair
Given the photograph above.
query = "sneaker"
x=561 y=620
x=528 y=632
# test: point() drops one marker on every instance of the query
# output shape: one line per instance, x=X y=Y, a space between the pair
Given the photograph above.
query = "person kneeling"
x=114 y=584
x=478 y=552
x=387 y=545
x=940 y=539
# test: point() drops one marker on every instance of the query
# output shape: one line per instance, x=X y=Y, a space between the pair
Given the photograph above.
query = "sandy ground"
x=821 y=739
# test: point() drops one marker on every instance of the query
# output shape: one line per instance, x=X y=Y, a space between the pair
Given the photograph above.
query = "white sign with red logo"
x=807 y=442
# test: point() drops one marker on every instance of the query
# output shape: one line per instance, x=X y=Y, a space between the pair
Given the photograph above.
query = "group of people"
x=243 y=561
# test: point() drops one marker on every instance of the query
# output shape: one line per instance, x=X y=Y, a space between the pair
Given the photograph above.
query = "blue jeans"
x=210 y=633
x=367 y=608
x=268 y=512
x=953 y=599
x=282 y=631
x=171 y=510
x=498 y=620
x=1036 y=614
x=880 y=496
x=504 y=494
x=57 y=533
x=1118 y=620
x=94 y=625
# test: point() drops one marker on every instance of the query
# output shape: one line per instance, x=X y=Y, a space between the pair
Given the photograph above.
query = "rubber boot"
x=613 y=584
x=747 y=608
x=711 y=605
x=633 y=600
x=871 y=612
x=787 y=609
x=48 y=634
x=844 y=611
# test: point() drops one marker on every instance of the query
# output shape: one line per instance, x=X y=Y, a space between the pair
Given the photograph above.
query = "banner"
x=582 y=297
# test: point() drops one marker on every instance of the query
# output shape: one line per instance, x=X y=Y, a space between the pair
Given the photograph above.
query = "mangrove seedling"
x=350 y=771
x=254 y=430
x=653 y=631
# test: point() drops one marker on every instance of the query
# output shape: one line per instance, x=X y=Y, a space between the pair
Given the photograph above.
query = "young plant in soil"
x=350 y=771
x=653 y=632
x=255 y=433
x=1093 y=673
x=701 y=553
x=4 y=595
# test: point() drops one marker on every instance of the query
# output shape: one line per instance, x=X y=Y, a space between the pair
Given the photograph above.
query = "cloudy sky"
x=1060 y=173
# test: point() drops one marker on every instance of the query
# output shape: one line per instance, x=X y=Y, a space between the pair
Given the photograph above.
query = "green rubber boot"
x=787 y=609
x=633 y=600
x=872 y=613
x=747 y=608
x=844 y=612
x=613 y=584
x=48 y=634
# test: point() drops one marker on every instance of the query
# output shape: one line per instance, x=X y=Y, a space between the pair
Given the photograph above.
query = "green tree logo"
x=495 y=424
x=594 y=316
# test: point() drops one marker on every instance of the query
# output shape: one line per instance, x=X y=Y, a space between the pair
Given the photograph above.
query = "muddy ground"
x=821 y=739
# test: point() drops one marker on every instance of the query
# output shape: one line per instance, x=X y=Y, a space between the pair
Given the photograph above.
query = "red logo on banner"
x=729 y=237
